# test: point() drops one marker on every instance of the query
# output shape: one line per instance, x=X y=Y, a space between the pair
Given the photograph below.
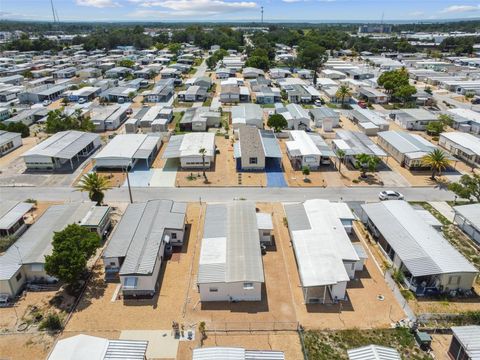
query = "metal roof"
x=189 y=145
x=129 y=146
x=249 y=114
x=228 y=353
x=358 y=143
x=63 y=145
x=35 y=243
x=324 y=112
x=471 y=213
x=249 y=136
x=82 y=347
x=405 y=142
x=469 y=143
x=270 y=144
x=422 y=249
x=320 y=242
x=11 y=212
x=139 y=234
x=304 y=144
x=469 y=337
x=6 y=136
x=231 y=245
x=373 y=352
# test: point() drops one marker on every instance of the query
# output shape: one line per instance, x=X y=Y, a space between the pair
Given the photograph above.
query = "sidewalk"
x=443 y=208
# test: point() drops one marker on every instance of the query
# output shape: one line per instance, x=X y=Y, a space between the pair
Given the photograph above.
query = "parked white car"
x=390 y=195
x=46 y=102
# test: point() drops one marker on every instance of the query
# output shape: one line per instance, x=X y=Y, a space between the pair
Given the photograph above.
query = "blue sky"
x=215 y=10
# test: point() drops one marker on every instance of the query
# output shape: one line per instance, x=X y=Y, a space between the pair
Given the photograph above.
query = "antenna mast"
x=261 y=10
x=54 y=12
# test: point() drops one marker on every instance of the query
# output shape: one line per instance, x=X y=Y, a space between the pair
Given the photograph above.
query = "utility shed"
x=326 y=258
x=255 y=148
x=465 y=343
x=82 y=347
x=427 y=260
x=9 y=141
x=187 y=148
x=63 y=149
x=230 y=353
x=136 y=250
x=373 y=352
x=125 y=150
x=12 y=215
x=231 y=266
x=467 y=217
x=308 y=149
x=26 y=259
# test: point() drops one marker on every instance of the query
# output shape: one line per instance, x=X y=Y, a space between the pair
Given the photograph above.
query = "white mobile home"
x=9 y=141
x=326 y=258
x=187 y=148
x=467 y=217
x=125 y=150
x=413 y=119
x=235 y=353
x=356 y=143
x=136 y=250
x=230 y=266
x=421 y=253
x=247 y=114
x=462 y=145
x=65 y=148
x=12 y=214
x=308 y=149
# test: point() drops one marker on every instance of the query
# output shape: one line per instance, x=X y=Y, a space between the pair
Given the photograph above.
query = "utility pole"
x=54 y=12
x=129 y=188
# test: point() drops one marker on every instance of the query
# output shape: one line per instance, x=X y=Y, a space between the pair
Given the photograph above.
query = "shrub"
x=51 y=323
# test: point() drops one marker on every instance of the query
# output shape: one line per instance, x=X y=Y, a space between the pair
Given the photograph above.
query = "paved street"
x=224 y=194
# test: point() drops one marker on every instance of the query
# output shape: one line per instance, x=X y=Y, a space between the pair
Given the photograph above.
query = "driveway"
x=275 y=175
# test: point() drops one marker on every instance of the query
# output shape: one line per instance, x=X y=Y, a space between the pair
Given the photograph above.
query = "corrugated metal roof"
x=129 y=146
x=35 y=243
x=469 y=337
x=468 y=143
x=406 y=143
x=373 y=352
x=471 y=213
x=6 y=136
x=147 y=148
x=320 y=248
x=270 y=144
x=95 y=215
x=126 y=350
x=139 y=235
x=189 y=145
x=422 y=249
x=219 y=353
x=231 y=244
x=359 y=143
x=11 y=212
x=264 y=355
x=63 y=145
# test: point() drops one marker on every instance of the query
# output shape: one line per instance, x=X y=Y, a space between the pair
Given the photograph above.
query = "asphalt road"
x=224 y=194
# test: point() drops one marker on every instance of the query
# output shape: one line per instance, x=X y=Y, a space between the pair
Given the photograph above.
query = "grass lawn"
x=177 y=103
x=207 y=102
x=267 y=106
x=334 y=345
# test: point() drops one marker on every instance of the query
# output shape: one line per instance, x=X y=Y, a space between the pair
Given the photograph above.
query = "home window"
x=248 y=286
x=253 y=161
x=18 y=277
x=454 y=280
x=130 y=282
x=174 y=236
x=213 y=289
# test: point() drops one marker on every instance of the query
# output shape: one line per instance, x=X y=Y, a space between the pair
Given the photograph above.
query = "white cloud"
x=460 y=9
x=98 y=3
x=192 y=7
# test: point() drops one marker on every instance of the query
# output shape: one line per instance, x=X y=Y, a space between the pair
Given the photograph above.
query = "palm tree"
x=366 y=163
x=437 y=160
x=203 y=152
x=343 y=92
x=341 y=157
x=95 y=186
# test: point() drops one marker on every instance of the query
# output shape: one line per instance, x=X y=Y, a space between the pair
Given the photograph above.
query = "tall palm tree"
x=437 y=160
x=203 y=152
x=95 y=186
x=341 y=157
x=343 y=92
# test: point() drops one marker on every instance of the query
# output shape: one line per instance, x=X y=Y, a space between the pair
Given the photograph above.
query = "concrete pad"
x=443 y=208
x=392 y=178
x=161 y=343
x=166 y=176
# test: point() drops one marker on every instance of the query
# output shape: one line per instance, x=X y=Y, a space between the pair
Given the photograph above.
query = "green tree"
x=16 y=127
x=58 y=120
x=277 y=122
x=405 y=93
x=95 y=185
x=343 y=92
x=437 y=160
x=126 y=63
x=468 y=187
x=174 y=48
x=366 y=163
x=435 y=128
x=341 y=157
x=311 y=55
x=260 y=62
x=305 y=172
x=72 y=248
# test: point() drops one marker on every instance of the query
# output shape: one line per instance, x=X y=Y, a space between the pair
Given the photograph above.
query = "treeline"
x=40 y=44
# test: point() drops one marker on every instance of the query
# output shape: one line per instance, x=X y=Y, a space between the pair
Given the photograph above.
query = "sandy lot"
x=27 y=144
x=25 y=346
x=223 y=172
x=440 y=345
